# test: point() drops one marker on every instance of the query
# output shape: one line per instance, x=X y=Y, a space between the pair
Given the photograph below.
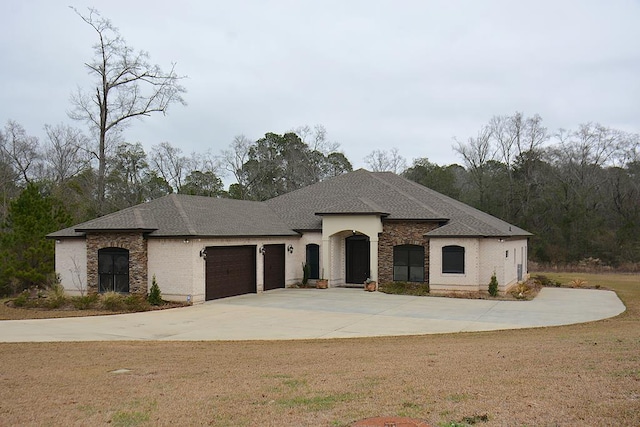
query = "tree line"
x=577 y=190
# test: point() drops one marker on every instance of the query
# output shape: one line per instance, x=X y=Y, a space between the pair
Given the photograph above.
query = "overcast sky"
x=376 y=74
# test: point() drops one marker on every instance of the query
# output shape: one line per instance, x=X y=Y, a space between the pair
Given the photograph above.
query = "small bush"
x=546 y=282
x=85 y=302
x=56 y=297
x=21 y=300
x=578 y=283
x=306 y=270
x=135 y=302
x=112 y=301
x=155 y=298
x=405 y=288
x=493 y=285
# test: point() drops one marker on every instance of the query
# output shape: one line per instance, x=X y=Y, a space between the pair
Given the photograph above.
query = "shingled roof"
x=357 y=193
x=182 y=215
x=391 y=196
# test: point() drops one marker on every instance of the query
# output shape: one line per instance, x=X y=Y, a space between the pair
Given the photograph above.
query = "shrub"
x=306 y=270
x=155 y=298
x=112 y=301
x=493 y=285
x=521 y=291
x=55 y=296
x=405 y=288
x=85 y=302
x=135 y=302
x=578 y=283
x=22 y=299
x=545 y=281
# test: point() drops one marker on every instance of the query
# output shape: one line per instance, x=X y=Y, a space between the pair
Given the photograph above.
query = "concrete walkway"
x=327 y=313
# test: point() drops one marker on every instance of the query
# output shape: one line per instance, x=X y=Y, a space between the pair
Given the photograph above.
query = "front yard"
x=586 y=374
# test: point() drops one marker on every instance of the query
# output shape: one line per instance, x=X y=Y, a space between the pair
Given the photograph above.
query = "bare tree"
x=477 y=153
x=234 y=159
x=170 y=164
x=316 y=138
x=66 y=152
x=20 y=151
x=386 y=161
x=127 y=86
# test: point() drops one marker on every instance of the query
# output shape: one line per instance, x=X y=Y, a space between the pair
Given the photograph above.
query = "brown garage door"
x=230 y=271
x=273 y=267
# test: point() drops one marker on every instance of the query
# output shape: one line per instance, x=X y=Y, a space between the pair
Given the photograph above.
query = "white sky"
x=376 y=74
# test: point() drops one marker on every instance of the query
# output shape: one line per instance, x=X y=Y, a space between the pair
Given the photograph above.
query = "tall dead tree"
x=127 y=85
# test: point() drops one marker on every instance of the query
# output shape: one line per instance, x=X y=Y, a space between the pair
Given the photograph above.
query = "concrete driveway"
x=323 y=313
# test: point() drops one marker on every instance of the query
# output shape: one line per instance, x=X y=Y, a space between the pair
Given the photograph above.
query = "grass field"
x=580 y=375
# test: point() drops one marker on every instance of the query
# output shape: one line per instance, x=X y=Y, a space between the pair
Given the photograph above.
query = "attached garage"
x=230 y=271
x=273 y=267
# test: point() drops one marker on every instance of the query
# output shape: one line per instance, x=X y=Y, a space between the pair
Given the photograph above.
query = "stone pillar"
x=134 y=242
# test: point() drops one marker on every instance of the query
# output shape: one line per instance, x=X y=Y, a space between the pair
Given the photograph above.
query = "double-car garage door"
x=231 y=270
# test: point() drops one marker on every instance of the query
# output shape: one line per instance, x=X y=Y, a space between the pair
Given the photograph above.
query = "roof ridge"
x=183 y=214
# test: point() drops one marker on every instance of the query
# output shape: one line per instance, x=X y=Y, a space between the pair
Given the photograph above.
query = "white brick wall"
x=483 y=257
x=71 y=265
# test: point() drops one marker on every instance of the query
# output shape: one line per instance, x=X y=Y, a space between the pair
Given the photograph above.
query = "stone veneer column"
x=134 y=242
x=402 y=233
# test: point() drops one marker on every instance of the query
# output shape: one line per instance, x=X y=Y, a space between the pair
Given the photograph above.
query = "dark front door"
x=113 y=270
x=273 y=267
x=230 y=271
x=358 y=259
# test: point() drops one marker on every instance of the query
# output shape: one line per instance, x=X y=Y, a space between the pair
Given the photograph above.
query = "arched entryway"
x=358 y=258
x=113 y=270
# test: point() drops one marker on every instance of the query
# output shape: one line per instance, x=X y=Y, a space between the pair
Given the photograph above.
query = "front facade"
x=348 y=229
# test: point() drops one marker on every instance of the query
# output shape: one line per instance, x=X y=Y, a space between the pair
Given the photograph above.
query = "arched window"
x=313 y=260
x=453 y=259
x=408 y=263
x=113 y=270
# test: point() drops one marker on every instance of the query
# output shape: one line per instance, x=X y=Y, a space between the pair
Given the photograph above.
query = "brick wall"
x=401 y=233
x=135 y=243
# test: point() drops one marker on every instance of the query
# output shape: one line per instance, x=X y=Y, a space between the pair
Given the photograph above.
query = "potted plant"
x=322 y=283
x=370 y=285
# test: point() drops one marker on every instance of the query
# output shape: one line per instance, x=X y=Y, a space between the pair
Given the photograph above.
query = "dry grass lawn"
x=580 y=375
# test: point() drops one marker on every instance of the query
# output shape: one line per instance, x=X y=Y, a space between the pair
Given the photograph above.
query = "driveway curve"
x=323 y=313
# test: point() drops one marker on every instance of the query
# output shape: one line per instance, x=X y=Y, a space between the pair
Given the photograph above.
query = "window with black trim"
x=313 y=260
x=453 y=259
x=408 y=263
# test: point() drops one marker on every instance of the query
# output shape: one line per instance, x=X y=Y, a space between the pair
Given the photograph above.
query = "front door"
x=273 y=267
x=357 y=259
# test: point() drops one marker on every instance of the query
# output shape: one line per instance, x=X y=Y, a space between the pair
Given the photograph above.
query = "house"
x=355 y=226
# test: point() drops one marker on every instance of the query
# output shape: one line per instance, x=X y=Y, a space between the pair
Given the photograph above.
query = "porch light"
x=203 y=253
x=261 y=250
x=290 y=249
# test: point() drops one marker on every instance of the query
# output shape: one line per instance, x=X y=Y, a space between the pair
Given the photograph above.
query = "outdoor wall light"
x=203 y=253
x=261 y=250
x=290 y=249
x=185 y=241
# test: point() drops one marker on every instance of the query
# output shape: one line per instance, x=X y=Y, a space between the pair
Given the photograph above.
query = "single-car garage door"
x=230 y=271
x=273 y=267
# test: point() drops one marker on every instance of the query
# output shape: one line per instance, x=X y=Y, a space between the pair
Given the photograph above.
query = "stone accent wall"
x=134 y=242
x=402 y=233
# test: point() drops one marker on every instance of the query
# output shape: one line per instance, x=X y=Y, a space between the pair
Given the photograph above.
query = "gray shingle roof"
x=358 y=192
x=183 y=215
x=398 y=197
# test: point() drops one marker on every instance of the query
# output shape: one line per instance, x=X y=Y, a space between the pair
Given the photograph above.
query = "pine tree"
x=26 y=255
